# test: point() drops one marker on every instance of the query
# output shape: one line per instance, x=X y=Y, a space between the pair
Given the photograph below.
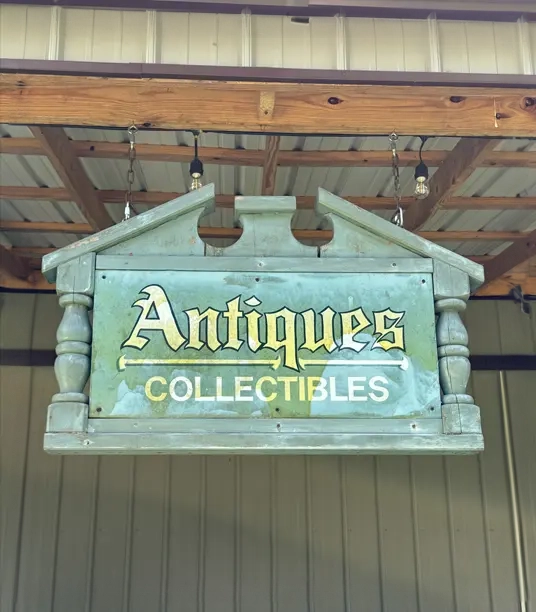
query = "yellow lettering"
x=327 y=341
x=301 y=388
x=148 y=389
x=286 y=380
x=253 y=318
x=381 y=329
x=233 y=313
x=288 y=341
x=195 y=318
x=164 y=320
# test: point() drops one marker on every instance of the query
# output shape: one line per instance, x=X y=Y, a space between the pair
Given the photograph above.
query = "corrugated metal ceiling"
x=37 y=171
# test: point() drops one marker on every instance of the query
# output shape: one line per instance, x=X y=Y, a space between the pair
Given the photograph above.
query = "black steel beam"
x=479 y=10
x=260 y=74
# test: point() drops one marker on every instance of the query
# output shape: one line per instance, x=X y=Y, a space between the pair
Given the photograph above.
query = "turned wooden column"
x=73 y=350
x=69 y=409
x=453 y=351
x=451 y=292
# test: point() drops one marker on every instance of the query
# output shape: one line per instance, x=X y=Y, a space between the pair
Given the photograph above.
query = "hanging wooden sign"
x=264 y=346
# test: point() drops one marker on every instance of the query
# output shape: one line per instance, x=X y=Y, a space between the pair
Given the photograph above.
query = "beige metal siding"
x=335 y=43
x=259 y=533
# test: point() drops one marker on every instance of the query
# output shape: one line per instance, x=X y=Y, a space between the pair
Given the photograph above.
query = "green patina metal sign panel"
x=228 y=344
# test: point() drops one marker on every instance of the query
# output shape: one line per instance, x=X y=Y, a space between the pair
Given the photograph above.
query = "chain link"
x=132 y=130
x=398 y=217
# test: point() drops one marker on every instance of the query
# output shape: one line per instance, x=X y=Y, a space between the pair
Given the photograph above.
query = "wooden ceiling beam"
x=232 y=232
x=12 y=265
x=299 y=108
x=59 y=194
x=154 y=198
x=62 y=156
x=269 y=171
x=466 y=156
x=255 y=158
x=512 y=257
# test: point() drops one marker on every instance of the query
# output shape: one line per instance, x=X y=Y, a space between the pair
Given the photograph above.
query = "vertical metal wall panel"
x=361 y=552
x=479 y=47
x=15 y=399
x=332 y=43
x=266 y=533
x=532 y=44
x=149 y=534
x=497 y=516
x=396 y=542
x=282 y=43
x=112 y=532
x=388 y=44
x=254 y=547
x=290 y=523
x=98 y=35
x=24 y=31
x=521 y=394
x=431 y=532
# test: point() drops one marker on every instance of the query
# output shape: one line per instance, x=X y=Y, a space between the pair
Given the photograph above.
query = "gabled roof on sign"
x=201 y=199
x=327 y=204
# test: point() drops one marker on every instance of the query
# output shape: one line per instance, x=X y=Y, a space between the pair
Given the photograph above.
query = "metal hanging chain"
x=398 y=217
x=132 y=130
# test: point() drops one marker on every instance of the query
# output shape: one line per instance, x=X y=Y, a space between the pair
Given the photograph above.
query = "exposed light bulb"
x=422 y=189
x=196 y=182
x=196 y=171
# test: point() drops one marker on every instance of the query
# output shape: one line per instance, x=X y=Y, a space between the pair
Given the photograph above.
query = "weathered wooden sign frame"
x=166 y=239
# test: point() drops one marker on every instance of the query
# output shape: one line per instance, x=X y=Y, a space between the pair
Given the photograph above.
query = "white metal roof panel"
x=110 y=174
x=333 y=43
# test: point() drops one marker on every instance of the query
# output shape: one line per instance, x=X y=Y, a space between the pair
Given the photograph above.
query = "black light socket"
x=421 y=171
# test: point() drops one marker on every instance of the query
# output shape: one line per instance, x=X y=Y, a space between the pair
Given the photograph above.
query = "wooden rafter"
x=466 y=156
x=306 y=108
x=154 y=198
x=97 y=149
x=232 y=232
x=12 y=265
x=62 y=156
x=515 y=255
x=269 y=171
